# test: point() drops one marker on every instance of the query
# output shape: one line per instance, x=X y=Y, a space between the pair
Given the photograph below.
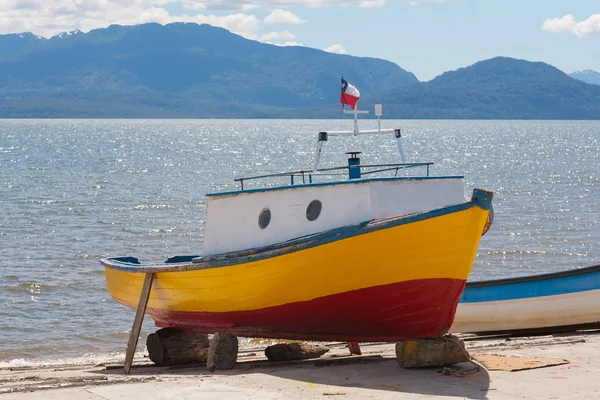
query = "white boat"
x=380 y=255
x=565 y=300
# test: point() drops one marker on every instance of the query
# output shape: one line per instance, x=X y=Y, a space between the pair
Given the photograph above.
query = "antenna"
x=324 y=136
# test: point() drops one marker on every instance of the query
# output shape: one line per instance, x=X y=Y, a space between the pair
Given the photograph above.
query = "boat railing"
x=306 y=176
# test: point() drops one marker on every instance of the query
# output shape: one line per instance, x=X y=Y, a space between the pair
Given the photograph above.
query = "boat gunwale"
x=533 y=278
x=481 y=198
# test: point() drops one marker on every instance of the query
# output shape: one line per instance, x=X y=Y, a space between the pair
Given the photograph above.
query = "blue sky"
x=426 y=37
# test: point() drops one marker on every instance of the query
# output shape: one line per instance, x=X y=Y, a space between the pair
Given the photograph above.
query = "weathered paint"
x=342 y=205
x=412 y=309
x=437 y=251
x=188 y=263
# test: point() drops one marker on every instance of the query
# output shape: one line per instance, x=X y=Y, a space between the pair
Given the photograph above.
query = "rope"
x=462 y=373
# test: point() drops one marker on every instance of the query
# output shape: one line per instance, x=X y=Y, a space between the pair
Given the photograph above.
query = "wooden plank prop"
x=137 y=322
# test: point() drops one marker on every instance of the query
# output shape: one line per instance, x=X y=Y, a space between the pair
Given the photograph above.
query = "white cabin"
x=254 y=218
x=234 y=219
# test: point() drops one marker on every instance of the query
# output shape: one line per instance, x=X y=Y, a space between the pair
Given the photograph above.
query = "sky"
x=425 y=37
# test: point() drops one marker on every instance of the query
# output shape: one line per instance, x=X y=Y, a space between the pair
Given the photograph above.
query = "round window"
x=313 y=210
x=264 y=218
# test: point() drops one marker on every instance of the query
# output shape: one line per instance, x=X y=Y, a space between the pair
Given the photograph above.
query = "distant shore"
x=551 y=366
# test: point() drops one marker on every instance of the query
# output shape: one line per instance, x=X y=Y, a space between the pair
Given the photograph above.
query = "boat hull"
x=556 y=301
x=381 y=281
x=416 y=308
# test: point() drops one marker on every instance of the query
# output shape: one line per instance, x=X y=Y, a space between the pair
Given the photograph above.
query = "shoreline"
x=570 y=369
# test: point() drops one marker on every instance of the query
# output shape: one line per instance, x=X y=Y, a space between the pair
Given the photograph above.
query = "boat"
x=561 y=301
x=382 y=254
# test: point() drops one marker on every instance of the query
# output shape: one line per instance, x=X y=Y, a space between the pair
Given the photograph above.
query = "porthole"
x=264 y=218
x=313 y=210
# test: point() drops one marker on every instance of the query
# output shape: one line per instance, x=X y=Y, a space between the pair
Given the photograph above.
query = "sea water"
x=73 y=191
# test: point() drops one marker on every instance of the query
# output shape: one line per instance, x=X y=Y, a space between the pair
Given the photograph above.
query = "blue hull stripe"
x=588 y=279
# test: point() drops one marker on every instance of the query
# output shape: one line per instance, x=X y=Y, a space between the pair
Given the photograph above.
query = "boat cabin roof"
x=307 y=179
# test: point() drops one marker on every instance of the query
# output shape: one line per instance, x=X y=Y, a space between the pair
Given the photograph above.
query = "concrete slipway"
x=374 y=375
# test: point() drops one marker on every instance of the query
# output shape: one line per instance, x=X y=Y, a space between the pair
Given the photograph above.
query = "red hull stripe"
x=412 y=309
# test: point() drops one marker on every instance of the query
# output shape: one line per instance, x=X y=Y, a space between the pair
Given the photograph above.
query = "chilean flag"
x=350 y=94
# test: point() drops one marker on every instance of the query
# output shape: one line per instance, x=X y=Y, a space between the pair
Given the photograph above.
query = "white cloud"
x=372 y=3
x=244 y=17
x=283 y=17
x=417 y=2
x=336 y=48
x=220 y=5
x=290 y=43
x=54 y=16
x=274 y=36
x=567 y=24
x=238 y=4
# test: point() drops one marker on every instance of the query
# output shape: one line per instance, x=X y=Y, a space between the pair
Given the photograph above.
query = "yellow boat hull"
x=385 y=280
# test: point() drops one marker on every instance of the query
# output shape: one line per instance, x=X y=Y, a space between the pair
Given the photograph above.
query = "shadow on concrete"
x=343 y=374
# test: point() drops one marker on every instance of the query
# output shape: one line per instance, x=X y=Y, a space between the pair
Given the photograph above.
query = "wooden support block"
x=137 y=322
x=222 y=353
x=170 y=346
x=437 y=352
x=294 y=351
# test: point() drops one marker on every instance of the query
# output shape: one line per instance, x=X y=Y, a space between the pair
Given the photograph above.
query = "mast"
x=323 y=136
x=355 y=112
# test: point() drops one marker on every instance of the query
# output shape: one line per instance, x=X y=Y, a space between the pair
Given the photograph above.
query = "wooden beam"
x=137 y=322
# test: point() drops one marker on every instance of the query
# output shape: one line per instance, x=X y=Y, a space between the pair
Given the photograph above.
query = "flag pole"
x=342 y=103
x=356 y=117
x=354 y=109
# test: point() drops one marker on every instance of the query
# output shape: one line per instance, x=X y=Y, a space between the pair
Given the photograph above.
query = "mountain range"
x=587 y=76
x=500 y=88
x=186 y=70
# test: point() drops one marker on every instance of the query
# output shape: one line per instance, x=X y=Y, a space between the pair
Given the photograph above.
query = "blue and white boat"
x=565 y=300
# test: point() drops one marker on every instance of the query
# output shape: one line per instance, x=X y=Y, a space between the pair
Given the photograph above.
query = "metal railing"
x=309 y=174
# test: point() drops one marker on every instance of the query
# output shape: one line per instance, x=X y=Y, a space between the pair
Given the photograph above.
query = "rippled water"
x=73 y=191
